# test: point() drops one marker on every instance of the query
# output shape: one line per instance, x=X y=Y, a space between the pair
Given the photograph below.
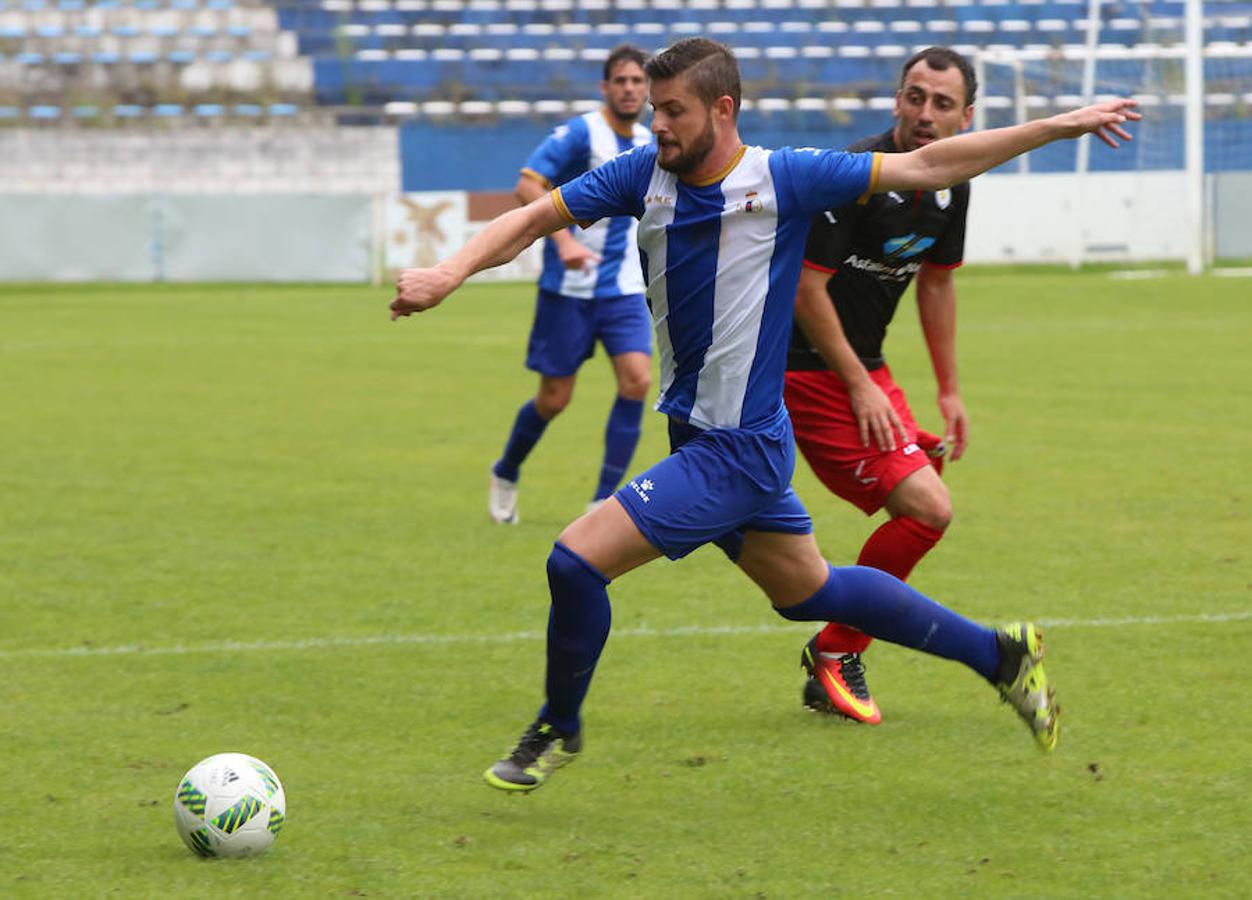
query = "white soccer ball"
x=230 y=804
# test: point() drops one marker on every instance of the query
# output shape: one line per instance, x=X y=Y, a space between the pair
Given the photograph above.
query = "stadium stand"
x=447 y=69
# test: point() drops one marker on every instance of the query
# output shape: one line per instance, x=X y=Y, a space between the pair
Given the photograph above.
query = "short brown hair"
x=939 y=58
x=710 y=67
x=623 y=53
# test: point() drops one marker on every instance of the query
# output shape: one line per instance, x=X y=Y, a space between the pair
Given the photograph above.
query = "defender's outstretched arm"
x=959 y=158
x=506 y=236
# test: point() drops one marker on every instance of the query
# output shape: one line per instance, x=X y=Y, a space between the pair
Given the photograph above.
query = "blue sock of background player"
x=527 y=430
x=621 y=437
x=878 y=604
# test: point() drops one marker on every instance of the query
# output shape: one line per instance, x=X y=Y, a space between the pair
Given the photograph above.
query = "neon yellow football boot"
x=1024 y=684
x=540 y=752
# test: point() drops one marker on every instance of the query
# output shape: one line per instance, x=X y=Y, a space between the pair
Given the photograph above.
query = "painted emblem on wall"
x=424 y=228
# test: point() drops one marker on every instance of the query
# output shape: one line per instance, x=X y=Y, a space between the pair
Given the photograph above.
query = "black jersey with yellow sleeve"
x=871 y=251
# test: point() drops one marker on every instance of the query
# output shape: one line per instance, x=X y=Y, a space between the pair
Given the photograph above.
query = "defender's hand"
x=876 y=417
x=955 y=424
x=1104 y=120
x=418 y=290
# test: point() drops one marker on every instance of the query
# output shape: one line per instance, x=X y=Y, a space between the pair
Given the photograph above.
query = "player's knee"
x=930 y=505
x=551 y=401
x=635 y=385
x=567 y=568
x=936 y=513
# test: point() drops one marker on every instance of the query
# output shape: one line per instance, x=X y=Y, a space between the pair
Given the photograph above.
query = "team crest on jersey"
x=751 y=203
x=943 y=198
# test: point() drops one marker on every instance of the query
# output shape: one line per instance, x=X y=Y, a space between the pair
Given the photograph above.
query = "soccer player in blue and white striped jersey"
x=722 y=231
x=591 y=289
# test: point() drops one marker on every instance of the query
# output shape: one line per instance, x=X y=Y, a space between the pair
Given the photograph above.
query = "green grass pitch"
x=254 y=518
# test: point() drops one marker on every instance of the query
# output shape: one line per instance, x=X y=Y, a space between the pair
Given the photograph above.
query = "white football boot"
x=502 y=500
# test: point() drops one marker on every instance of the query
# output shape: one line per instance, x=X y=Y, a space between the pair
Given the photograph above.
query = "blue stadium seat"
x=128 y=111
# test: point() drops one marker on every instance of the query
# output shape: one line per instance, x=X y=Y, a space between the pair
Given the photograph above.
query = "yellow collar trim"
x=723 y=171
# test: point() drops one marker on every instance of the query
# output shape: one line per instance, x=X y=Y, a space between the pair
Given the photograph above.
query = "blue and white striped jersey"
x=722 y=261
x=577 y=146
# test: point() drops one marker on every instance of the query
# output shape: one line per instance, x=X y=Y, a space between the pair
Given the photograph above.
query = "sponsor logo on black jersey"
x=902 y=272
x=906 y=246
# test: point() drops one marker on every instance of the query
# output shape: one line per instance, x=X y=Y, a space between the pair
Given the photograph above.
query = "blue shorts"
x=566 y=329
x=715 y=483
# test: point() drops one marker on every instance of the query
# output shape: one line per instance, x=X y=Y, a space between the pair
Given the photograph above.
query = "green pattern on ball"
x=229 y=820
x=276 y=821
x=268 y=778
x=199 y=842
x=190 y=797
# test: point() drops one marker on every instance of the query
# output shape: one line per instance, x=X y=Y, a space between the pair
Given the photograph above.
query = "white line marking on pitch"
x=332 y=643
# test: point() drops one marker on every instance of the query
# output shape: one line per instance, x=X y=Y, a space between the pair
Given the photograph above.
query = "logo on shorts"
x=860 y=467
x=642 y=487
x=910 y=449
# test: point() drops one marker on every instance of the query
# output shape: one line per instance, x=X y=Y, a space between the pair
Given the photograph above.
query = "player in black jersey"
x=852 y=422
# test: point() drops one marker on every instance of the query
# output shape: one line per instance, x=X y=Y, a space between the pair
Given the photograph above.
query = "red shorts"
x=827 y=435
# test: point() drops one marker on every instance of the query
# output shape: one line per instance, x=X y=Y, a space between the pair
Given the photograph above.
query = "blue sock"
x=885 y=607
x=527 y=430
x=578 y=626
x=621 y=437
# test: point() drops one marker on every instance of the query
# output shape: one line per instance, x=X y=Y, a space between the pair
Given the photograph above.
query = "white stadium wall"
x=359 y=237
x=1053 y=218
x=1232 y=224
x=187 y=237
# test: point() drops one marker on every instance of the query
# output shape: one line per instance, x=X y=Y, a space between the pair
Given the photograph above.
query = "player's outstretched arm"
x=506 y=236
x=956 y=159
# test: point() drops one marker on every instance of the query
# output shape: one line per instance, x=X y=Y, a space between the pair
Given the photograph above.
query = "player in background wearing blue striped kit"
x=591 y=289
x=722 y=232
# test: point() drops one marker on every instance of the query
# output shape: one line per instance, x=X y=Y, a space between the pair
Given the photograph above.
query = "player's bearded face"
x=681 y=157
